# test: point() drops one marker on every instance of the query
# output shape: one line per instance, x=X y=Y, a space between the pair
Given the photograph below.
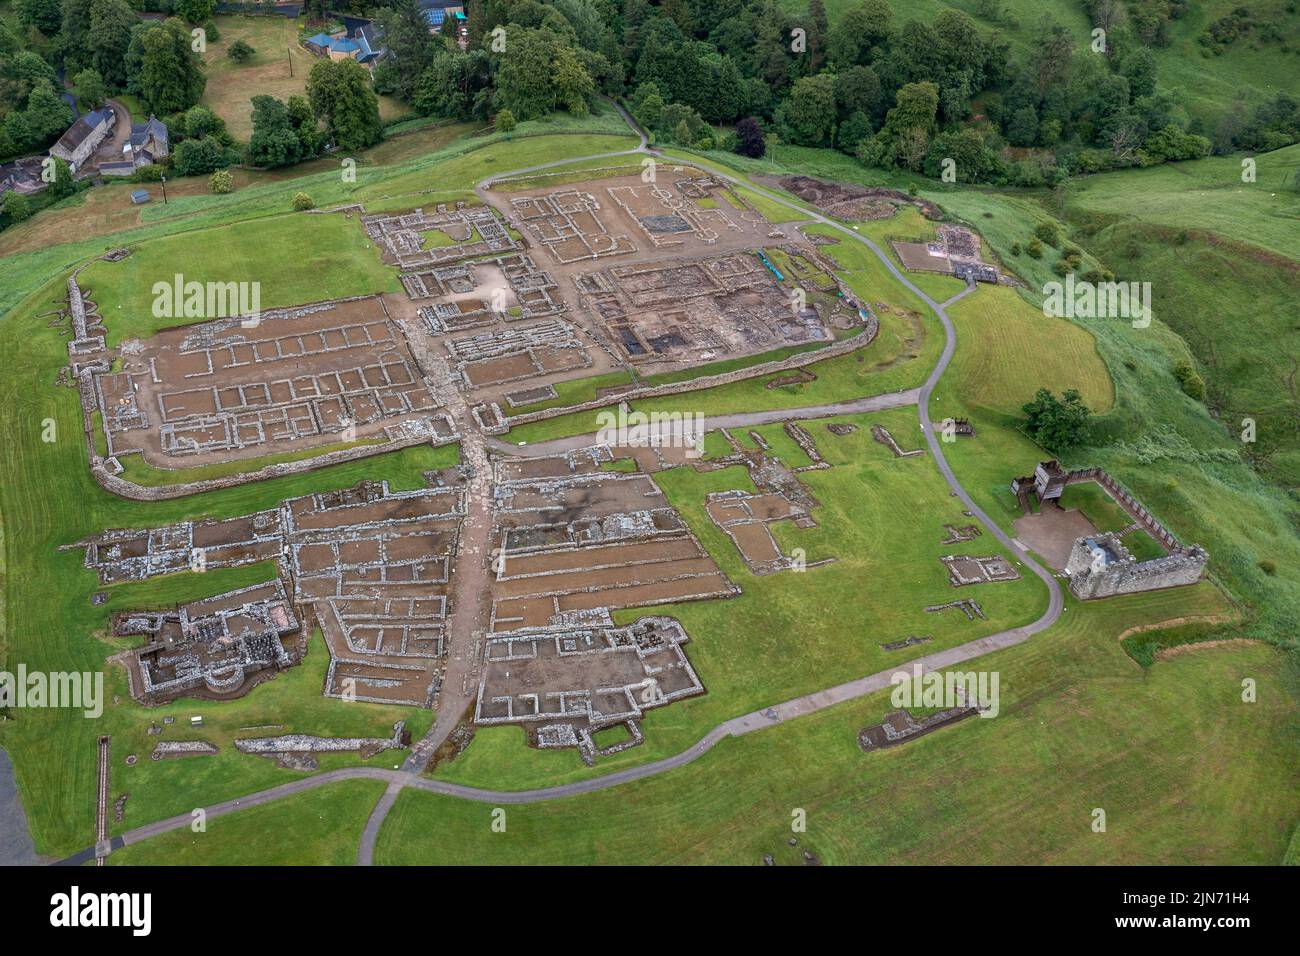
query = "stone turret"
x=1100 y=566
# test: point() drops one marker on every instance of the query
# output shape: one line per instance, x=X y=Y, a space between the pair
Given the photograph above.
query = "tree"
x=199 y=121
x=46 y=116
x=818 y=31
x=1139 y=68
x=194 y=11
x=750 y=140
x=43 y=15
x=89 y=87
x=807 y=117
x=413 y=48
x=198 y=157
x=240 y=52
x=456 y=85
x=852 y=132
x=573 y=84
x=857 y=90
x=905 y=137
x=1057 y=424
x=221 y=182
x=304 y=125
x=274 y=141
x=171 y=76
x=111 y=22
x=75 y=33
x=506 y=122
x=17 y=207
x=302 y=202
x=62 y=186
x=1022 y=128
x=341 y=96
x=524 y=84
x=859 y=31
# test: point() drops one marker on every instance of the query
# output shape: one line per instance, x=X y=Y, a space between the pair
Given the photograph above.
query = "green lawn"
x=332 y=259
x=321 y=828
x=1185 y=771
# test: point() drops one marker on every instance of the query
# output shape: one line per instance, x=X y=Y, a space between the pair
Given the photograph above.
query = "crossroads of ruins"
x=493 y=593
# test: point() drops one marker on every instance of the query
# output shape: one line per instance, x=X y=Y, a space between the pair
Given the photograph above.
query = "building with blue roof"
x=361 y=40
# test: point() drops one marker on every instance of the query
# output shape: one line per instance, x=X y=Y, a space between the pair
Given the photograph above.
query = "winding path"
x=736 y=726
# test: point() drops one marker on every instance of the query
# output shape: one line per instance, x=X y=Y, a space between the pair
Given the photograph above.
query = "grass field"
x=106 y=210
x=1185 y=771
x=332 y=259
x=99 y=228
x=1206 y=194
x=1234 y=308
x=1009 y=350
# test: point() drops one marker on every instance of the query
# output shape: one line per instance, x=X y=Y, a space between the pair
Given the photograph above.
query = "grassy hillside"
x=1236 y=312
x=1207 y=84
x=1204 y=195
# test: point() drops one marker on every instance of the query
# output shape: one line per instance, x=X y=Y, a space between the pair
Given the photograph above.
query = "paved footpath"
x=736 y=726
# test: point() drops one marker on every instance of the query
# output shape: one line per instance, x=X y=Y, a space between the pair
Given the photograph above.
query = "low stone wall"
x=129 y=489
x=861 y=340
x=1136 y=510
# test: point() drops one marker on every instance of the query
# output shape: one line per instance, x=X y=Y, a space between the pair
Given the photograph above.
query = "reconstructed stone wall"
x=1126 y=575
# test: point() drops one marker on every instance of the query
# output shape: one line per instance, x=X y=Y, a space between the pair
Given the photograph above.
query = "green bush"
x=302 y=202
x=1035 y=249
x=221 y=182
x=1189 y=380
x=18 y=207
x=1048 y=233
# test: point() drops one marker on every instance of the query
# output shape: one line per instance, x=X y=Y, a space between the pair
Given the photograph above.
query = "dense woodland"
x=896 y=92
